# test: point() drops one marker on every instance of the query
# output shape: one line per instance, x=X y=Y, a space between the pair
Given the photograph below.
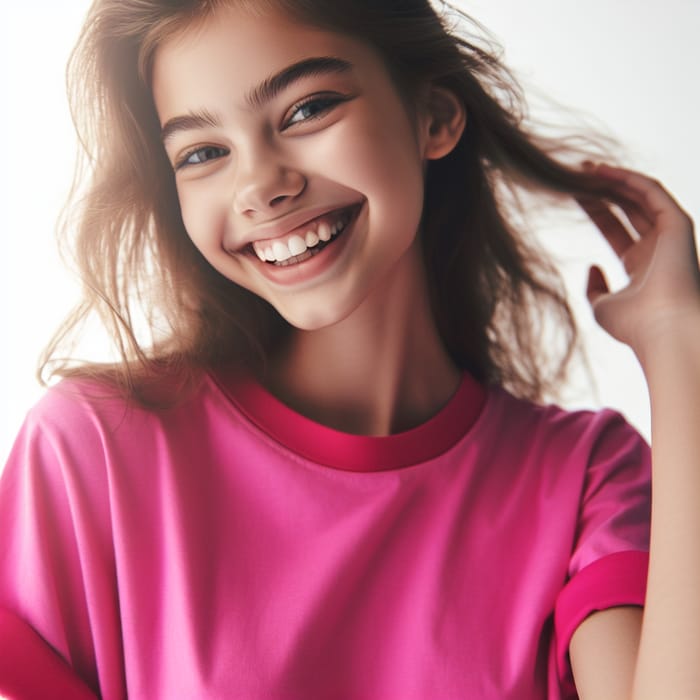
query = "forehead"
x=233 y=50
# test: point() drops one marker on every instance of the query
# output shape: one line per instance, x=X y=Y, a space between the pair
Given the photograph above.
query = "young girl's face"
x=291 y=144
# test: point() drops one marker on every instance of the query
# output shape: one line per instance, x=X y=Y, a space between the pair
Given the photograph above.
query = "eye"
x=200 y=156
x=312 y=108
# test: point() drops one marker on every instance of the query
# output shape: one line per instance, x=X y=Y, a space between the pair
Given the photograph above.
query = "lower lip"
x=314 y=266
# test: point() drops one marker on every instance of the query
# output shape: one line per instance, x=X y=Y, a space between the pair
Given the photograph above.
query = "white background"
x=630 y=64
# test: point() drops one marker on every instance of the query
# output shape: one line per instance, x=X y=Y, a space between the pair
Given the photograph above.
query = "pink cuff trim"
x=362 y=453
x=614 y=580
x=30 y=669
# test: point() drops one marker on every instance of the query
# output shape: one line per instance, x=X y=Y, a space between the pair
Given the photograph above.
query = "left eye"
x=313 y=108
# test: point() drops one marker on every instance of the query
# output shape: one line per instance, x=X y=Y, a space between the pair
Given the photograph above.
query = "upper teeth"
x=282 y=249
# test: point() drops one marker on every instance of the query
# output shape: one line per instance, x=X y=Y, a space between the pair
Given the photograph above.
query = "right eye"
x=201 y=155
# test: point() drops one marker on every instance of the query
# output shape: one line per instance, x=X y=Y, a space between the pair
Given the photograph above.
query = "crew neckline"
x=346 y=451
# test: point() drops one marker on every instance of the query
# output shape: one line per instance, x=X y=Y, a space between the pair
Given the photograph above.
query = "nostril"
x=278 y=200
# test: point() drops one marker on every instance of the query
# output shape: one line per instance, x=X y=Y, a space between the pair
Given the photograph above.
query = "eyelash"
x=326 y=102
x=182 y=163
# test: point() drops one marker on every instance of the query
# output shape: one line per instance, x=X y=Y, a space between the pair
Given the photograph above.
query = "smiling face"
x=298 y=168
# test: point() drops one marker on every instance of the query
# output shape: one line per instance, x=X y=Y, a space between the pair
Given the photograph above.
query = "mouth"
x=305 y=242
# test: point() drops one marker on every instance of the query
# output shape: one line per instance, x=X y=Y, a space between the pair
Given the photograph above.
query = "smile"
x=307 y=241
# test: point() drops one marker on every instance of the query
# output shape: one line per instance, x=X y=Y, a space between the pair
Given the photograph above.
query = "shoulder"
x=84 y=420
x=75 y=403
x=80 y=412
x=83 y=443
x=569 y=456
x=92 y=403
x=583 y=433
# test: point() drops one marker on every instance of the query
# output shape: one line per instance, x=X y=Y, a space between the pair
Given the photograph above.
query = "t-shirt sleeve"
x=54 y=564
x=609 y=560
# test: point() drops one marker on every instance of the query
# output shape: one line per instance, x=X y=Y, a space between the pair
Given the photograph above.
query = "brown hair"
x=490 y=289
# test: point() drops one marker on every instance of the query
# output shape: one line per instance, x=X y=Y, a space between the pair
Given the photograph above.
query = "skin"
x=658 y=315
x=364 y=329
x=272 y=164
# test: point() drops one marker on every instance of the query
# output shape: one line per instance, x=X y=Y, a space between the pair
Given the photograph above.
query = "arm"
x=658 y=315
x=603 y=653
x=669 y=653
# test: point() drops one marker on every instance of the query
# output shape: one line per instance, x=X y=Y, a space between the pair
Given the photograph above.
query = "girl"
x=323 y=469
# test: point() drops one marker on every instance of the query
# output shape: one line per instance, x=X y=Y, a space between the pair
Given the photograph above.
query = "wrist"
x=670 y=343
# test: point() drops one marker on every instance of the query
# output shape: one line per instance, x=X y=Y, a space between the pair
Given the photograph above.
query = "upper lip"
x=290 y=222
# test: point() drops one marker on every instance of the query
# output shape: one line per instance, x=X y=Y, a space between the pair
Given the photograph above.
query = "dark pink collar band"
x=340 y=450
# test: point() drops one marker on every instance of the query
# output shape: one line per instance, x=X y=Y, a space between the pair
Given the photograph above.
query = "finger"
x=649 y=194
x=633 y=186
x=597 y=285
x=636 y=257
x=637 y=217
x=623 y=194
x=614 y=231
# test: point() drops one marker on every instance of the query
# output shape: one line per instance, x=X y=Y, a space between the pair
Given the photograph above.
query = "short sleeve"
x=55 y=559
x=609 y=560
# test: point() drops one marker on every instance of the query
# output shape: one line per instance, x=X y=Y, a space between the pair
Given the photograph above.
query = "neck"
x=381 y=370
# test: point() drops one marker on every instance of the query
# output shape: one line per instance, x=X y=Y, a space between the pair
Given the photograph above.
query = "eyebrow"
x=263 y=93
x=187 y=122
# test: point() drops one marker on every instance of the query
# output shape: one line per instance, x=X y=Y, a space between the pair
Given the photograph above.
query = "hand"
x=657 y=249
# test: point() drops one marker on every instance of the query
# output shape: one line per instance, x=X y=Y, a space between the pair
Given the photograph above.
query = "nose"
x=265 y=182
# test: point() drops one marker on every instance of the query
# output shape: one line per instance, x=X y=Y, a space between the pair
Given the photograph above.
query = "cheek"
x=380 y=158
x=396 y=189
x=203 y=221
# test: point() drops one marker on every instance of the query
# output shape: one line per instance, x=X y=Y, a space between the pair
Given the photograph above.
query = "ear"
x=445 y=118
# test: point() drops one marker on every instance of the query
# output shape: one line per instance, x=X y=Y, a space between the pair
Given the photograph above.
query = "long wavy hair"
x=170 y=314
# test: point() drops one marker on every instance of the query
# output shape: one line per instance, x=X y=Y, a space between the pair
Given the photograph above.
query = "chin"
x=311 y=322
x=315 y=319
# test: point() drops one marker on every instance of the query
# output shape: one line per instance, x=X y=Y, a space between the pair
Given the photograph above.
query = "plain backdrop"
x=628 y=67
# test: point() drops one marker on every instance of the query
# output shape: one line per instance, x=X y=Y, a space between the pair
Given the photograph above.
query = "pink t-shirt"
x=230 y=547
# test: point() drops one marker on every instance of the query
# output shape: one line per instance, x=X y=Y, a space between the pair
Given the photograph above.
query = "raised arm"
x=658 y=315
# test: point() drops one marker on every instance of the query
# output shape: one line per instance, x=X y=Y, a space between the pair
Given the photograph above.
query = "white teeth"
x=297 y=245
x=280 y=251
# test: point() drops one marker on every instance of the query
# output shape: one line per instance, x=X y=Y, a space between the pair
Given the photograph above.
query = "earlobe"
x=446 y=120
